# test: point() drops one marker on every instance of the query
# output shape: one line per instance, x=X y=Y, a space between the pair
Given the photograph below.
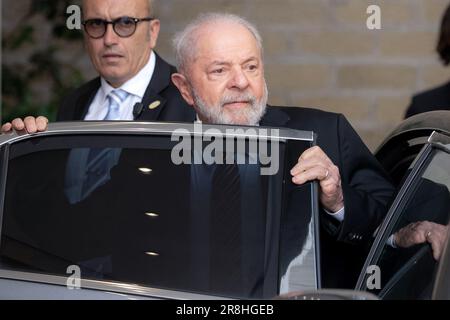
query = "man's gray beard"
x=217 y=114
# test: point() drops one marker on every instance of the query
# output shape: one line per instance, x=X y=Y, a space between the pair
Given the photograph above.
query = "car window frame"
x=436 y=141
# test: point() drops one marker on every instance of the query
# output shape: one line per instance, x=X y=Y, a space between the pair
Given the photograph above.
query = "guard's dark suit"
x=431 y=100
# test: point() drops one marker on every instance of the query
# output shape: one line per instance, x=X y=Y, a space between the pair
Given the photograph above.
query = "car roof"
x=430 y=121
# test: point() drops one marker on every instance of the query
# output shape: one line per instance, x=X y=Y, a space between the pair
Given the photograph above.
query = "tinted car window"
x=131 y=214
x=407 y=270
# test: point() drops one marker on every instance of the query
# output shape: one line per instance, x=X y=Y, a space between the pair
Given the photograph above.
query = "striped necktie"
x=226 y=231
x=115 y=98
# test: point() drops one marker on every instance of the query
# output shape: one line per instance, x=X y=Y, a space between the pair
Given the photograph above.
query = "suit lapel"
x=153 y=102
x=84 y=100
x=274 y=117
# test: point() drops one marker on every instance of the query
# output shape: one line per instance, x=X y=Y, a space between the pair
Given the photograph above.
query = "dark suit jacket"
x=431 y=100
x=367 y=190
x=173 y=107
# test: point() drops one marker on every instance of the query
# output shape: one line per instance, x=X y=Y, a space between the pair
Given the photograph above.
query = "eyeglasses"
x=124 y=27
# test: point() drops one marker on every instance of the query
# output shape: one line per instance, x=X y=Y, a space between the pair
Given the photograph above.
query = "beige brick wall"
x=319 y=53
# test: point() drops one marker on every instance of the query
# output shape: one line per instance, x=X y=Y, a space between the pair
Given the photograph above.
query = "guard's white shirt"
x=135 y=87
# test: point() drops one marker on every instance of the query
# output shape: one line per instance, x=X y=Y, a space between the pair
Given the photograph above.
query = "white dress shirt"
x=136 y=88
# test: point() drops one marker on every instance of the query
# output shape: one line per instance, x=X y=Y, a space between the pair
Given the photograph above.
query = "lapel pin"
x=154 y=105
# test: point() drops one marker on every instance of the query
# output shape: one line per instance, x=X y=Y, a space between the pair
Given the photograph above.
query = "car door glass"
x=408 y=266
x=119 y=208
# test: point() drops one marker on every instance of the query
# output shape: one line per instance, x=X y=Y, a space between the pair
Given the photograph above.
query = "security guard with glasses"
x=134 y=82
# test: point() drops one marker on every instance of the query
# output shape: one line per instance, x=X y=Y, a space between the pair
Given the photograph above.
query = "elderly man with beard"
x=221 y=75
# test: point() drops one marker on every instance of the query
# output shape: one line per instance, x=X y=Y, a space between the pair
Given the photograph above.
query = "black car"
x=121 y=211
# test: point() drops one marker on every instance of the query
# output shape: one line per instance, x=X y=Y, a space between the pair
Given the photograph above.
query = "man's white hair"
x=184 y=41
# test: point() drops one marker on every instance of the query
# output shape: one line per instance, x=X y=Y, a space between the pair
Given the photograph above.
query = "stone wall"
x=319 y=53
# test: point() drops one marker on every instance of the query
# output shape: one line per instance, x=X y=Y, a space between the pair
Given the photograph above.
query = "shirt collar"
x=136 y=85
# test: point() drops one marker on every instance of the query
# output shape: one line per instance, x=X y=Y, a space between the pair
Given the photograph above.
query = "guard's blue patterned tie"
x=115 y=98
x=101 y=160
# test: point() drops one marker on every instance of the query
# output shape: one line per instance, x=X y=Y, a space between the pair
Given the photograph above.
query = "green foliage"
x=18 y=97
